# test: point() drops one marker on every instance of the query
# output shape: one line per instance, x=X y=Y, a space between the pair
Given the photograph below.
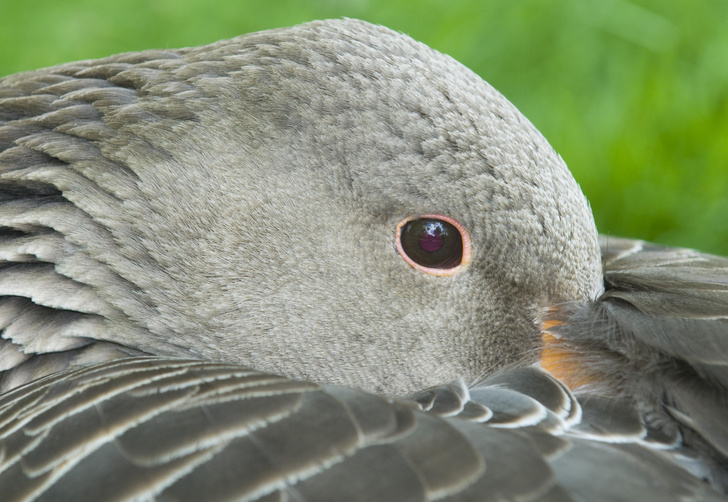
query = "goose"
x=328 y=263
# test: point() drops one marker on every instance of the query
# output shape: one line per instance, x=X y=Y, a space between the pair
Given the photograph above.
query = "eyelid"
x=441 y=272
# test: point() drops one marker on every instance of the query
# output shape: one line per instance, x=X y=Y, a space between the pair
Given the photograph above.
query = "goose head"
x=333 y=201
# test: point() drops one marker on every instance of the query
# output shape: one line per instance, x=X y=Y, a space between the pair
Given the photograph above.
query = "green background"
x=634 y=95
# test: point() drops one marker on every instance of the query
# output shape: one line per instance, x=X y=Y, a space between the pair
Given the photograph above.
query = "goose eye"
x=433 y=244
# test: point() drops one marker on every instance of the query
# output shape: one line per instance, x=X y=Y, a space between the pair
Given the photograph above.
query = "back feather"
x=658 y=336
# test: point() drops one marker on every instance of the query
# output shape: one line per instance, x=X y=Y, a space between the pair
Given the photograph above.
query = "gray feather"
x=177 y=429
x=658 y=335
x=236 y=204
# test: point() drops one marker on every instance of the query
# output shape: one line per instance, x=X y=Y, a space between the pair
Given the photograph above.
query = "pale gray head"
x=239 y=202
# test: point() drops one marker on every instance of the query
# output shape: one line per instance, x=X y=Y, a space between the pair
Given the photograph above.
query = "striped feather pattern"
x=170 y=429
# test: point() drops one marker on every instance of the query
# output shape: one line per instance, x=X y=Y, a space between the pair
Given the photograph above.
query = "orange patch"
x=559 y=358
x=549 y=323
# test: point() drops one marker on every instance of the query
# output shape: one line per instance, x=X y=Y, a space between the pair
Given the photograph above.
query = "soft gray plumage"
x=237 y=203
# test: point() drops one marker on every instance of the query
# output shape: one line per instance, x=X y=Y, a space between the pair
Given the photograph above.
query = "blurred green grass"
x=633 y=94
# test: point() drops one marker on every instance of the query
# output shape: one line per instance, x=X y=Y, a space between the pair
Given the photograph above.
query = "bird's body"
x=244 y=206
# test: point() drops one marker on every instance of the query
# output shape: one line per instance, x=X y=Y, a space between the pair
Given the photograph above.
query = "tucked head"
x=241 y=202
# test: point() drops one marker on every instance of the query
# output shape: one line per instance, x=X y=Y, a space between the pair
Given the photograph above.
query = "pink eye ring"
x=433 y=244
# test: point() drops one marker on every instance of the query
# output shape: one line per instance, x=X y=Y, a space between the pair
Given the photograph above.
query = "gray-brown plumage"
x=235 y=206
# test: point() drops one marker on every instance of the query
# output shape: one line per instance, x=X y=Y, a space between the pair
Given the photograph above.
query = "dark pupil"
x=432 y=243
